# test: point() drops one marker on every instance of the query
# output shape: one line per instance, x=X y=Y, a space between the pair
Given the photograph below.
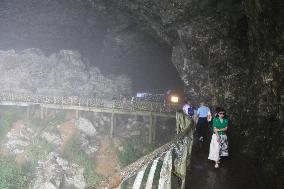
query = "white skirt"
x=218 y=149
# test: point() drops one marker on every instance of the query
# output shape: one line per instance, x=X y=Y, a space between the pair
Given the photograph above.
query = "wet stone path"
x=232 y=174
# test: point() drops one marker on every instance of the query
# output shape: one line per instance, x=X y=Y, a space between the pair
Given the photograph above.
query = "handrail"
x=128 y=105
x=181 y=144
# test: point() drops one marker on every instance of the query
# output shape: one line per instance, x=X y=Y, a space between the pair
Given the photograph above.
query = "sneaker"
x=216 y=165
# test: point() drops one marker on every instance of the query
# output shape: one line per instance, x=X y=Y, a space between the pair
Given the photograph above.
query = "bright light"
x=174 y=99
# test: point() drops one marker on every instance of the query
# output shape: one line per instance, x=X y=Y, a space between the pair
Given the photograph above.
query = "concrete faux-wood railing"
x=85 y=103
x=174 y=156
x=114 y=107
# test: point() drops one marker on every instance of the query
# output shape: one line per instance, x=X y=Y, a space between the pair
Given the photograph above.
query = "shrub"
x=131 y=154
x=38 y=151
x=73 y=153
x=128 y=155
x=11 y=175
x=57 y=119
x=8 y=116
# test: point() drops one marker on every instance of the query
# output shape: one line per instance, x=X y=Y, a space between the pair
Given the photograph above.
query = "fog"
x=108 y=39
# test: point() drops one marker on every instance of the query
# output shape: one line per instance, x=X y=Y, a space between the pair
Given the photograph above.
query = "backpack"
x=190 y=111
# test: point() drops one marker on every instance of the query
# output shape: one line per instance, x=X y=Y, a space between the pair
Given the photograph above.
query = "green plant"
x=11 y=175
x=150 y=148
x=124 y=185
x=133 y=150
x=72 y=152
x=38 y=151
x=58 y=118
x=35 y=123
x=128 y=155
x=8 y=116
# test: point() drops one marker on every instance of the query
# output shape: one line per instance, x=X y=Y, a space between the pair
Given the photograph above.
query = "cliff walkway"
x=80 y=104
x=183 y=164
x=234 y=172
x=86 y=104
x=178 y=164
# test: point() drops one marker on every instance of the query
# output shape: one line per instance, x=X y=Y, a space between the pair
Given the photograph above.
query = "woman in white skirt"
x=219 y=142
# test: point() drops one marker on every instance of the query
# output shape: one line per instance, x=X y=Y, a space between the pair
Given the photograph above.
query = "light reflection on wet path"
x=232 y=174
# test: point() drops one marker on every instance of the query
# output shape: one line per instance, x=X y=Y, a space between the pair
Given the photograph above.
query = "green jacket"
x=217 y=123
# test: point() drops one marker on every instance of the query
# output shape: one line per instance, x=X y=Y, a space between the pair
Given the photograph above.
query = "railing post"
x=150 y=129
x=154 y=128
x=181 y=168
x=77 y=114
x=41 y=112
x=45 y=112
x=151 y=174
x=166 y=171
x=138 y=179
x=28 y=112
x=113 y=124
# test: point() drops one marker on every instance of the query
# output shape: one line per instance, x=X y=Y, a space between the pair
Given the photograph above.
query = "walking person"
x=214 y=114
x=203 y=118
x=188 y=108
x=219 y=141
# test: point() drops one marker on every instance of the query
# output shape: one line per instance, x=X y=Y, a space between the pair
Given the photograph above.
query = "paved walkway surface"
x=232 y=174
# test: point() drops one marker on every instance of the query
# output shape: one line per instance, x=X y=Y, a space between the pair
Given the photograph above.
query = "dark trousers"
x=202 y=128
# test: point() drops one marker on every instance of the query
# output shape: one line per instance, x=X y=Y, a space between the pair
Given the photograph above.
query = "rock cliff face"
x=231 y=54
x=63 y=73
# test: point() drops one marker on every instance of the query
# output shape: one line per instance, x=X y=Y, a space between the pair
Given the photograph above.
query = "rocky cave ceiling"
x=207 y=41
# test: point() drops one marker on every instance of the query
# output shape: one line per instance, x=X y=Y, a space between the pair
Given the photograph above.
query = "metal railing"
x=84 y=102
x=174 y=157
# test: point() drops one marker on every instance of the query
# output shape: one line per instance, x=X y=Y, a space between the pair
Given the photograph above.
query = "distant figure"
x=188 y=108
x=132 y=100
x=124 y=99
x=203 y=116
x=219 y=142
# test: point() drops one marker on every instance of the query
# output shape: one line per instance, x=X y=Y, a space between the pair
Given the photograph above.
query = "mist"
x=109 y=39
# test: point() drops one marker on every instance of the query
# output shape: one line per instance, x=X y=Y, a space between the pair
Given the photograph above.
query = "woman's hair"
x=217 y=109
x=222 y=110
